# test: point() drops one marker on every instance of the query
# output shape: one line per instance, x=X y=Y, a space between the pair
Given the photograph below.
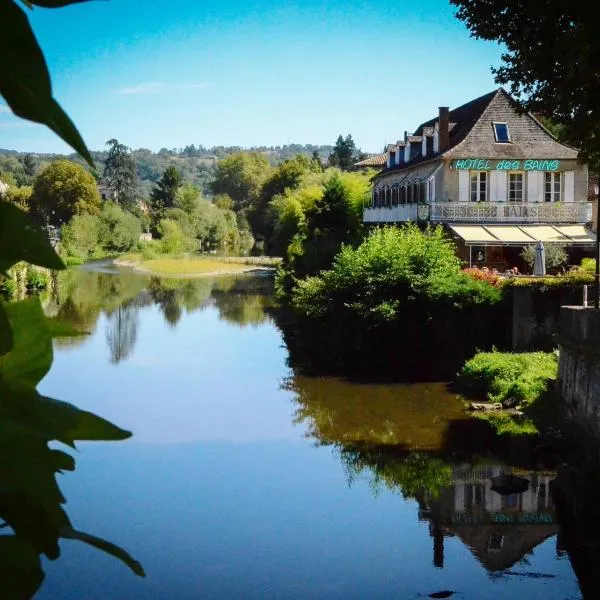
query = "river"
x=244 y=480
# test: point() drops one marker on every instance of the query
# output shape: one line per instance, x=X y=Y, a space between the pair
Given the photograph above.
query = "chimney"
x=405 y=135
x=444 y=128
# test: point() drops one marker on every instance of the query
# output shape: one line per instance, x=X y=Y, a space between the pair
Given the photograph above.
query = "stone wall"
x=579 y=365
x=536 y=313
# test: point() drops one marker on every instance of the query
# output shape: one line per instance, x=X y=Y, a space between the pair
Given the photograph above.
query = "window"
x=515 y=187
x=403 y=195
x=501 y=133
x=392 y=159
x=395 y=196
x=479 y=186
x=495 y=542
x=552 y=187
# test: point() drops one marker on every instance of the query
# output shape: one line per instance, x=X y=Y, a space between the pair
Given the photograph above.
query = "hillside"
x=196 y=163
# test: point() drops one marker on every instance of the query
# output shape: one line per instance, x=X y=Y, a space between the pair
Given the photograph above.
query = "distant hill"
x=196 y=163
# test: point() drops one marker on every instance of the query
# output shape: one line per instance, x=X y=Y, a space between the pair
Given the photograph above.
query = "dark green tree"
x=164 y=193
x=343 y=152
x=120 y=174
x=29 y=165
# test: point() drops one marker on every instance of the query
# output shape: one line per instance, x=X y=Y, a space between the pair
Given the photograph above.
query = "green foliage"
x=574 y=277
x=588 y=265
x=343 y=154
x=80 y=237
x=400 y=292
x=542 y=41
x=119 y=230
x=120 y=174
x=37 y=280
x=24 y=78
x=19 y=196
x=173 y=240
x=187 y=197
x=62 y=190
x=556 y=255
x=241 y=176
x=499 y=377
x=164 y=194
x=8 y=288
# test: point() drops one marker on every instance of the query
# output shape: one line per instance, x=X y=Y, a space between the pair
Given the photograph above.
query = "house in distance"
x=497 y=179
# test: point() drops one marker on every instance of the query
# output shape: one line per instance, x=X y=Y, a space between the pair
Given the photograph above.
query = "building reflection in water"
x=499 y=525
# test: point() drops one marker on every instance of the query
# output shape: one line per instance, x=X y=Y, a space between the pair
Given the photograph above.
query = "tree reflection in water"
x=31 y=503
x=417 y=440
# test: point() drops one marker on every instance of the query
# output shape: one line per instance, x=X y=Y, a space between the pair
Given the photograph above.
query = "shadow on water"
x=501 y=496
x=34 y=521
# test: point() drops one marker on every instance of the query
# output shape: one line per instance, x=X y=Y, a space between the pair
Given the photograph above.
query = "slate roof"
x=471 y=134
x=379 y=160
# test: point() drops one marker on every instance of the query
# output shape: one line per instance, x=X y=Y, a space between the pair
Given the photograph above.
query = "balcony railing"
x=482 y=212
x=391 y=214
x=511 y=212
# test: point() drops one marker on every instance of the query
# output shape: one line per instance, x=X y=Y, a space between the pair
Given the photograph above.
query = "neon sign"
x=483 y=164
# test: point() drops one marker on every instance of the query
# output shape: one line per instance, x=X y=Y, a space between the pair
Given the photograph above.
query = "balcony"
x=510 y=212
x=482 y=212
x=391 y=214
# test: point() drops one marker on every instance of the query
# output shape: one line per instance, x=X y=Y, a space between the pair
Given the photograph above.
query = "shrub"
x=80 y=236
x=173 y=241
x=36 y=281
x=556 y=255
x=588 y=265
x=479 y=275
x=119 y=230
x=8 y=288
x=498 y=377
x=398 y=302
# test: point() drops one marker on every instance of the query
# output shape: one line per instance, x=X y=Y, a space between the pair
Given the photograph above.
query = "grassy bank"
x=518 y=386
x=196 y=266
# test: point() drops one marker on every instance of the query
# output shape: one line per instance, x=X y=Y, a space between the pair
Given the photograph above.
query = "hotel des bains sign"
x=483 y=164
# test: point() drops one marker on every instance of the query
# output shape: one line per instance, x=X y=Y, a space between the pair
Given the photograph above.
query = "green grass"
x=197 y=265
x=524 y=380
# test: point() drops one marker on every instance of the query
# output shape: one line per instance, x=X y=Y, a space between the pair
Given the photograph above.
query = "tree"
x=164 y=193
x=120 y=173
x=119 y=230
x=342 y=155
x=187 y=197
x=241 y=177
x=64 y=189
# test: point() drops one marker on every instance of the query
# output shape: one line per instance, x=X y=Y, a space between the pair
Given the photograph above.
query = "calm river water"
x=245 y=481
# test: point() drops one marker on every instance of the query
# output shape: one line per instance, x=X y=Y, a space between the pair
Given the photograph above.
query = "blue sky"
x=170 y=73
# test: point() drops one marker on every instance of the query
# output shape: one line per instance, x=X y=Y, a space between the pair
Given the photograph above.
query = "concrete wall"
x=579 y=365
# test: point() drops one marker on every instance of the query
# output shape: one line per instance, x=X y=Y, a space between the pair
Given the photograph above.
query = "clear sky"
x=158 y=73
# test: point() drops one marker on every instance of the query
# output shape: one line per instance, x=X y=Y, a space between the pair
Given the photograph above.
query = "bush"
x=556 y=255
x=173 y=240
x=8 y=288
x=119 y=230
x=479 y=275
x=80 y=236
x=500 y=377
x=396 y=303
x=588 y=265
x=36 y=281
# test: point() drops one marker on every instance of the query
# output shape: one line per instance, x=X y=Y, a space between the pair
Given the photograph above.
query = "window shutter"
x=535 y=186
x=502 y=186
x=432 y=195
x=463 y=186
x=569 y=190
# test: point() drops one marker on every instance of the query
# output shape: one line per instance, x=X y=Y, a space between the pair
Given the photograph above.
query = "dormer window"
x=501 y=133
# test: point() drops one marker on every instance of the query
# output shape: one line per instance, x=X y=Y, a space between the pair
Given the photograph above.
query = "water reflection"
x=80 y=297
x=416 y=440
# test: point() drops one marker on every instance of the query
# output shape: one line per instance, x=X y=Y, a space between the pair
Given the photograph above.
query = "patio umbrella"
x=539 y=266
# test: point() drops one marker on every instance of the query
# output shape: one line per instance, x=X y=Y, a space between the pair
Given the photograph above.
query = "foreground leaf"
x=25 y=81
x=105 y=546
x=21 y=573
x=21 y=239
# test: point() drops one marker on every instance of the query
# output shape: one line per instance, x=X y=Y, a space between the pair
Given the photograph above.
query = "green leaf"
x=22 y=239
x=25 y=81
x=21 y=572
x=31 y=356
x=108 y=547
x=6 y=336
x=57 y=328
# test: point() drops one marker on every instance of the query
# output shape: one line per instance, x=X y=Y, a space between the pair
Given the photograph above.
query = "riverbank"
x=197 y=266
